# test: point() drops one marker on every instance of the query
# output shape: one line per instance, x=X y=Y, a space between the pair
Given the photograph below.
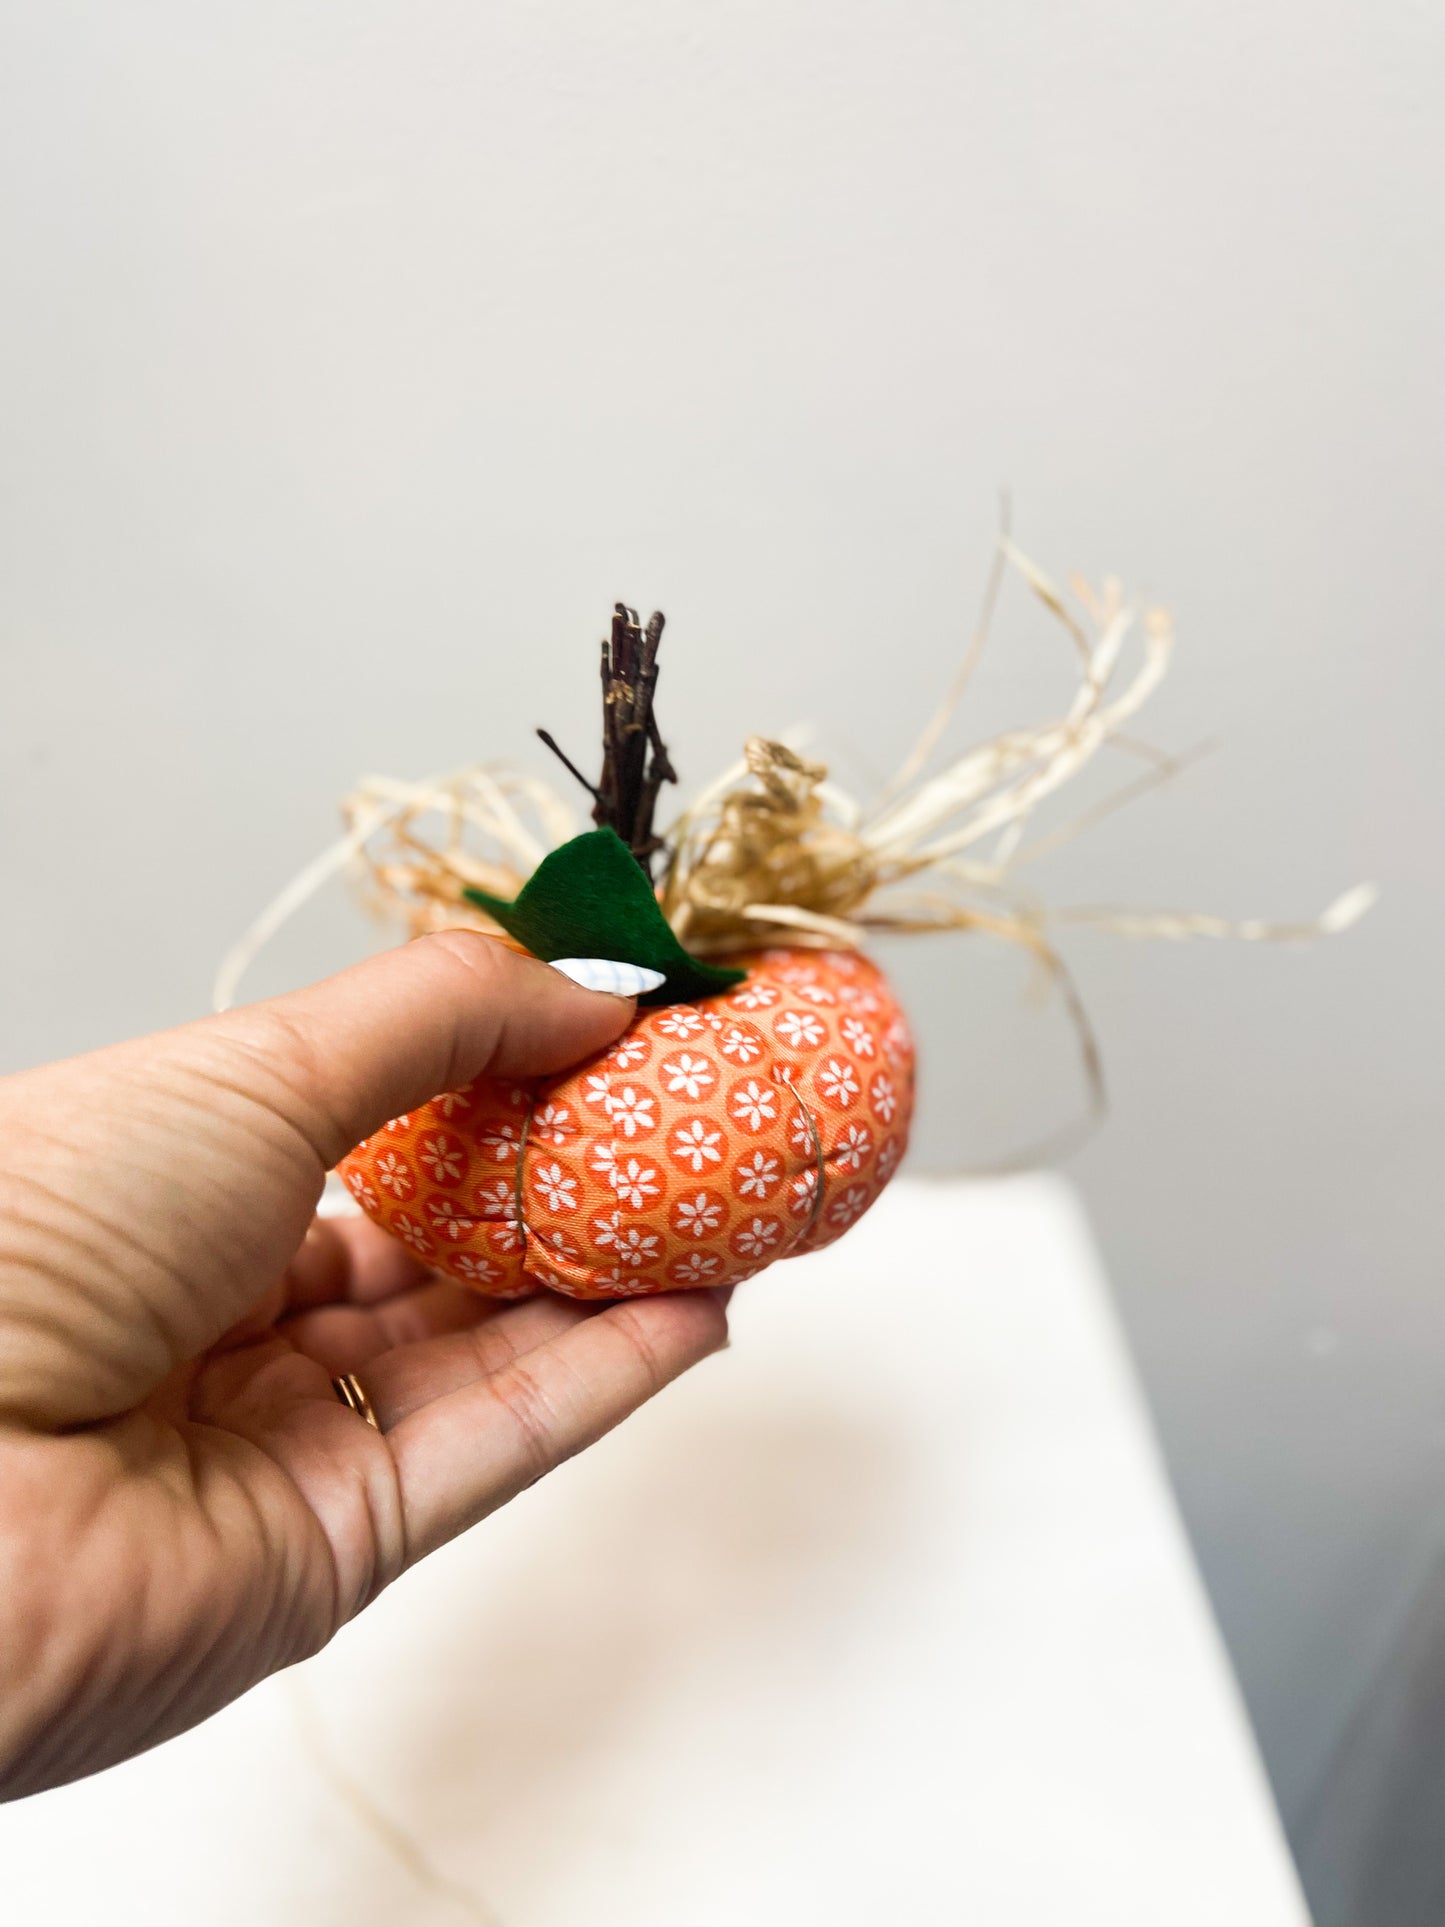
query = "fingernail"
x=601 y=973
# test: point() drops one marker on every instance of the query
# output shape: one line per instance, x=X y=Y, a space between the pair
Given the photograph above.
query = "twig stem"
x=566 y=761
x=635 y=762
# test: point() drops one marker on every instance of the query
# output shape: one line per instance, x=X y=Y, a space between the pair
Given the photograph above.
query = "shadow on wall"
x=1372 y=1848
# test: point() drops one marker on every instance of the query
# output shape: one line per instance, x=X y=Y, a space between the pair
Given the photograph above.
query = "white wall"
x=354 y=358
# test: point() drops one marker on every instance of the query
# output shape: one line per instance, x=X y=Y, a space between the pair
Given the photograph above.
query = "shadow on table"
x=536 y=1685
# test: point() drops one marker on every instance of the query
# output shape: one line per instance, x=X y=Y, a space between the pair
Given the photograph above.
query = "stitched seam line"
x=518 y=1193
x=814 y=1133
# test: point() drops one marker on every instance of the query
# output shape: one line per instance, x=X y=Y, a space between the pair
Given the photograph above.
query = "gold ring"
x=348 y=1389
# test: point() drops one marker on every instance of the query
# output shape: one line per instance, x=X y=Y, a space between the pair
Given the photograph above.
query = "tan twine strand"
x=818 y=1155
x=410 y=849
x=519 y=1201
x=772 y=852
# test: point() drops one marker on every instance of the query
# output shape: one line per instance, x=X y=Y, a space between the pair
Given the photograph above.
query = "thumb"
x=152 y=1192
x=381 y=1038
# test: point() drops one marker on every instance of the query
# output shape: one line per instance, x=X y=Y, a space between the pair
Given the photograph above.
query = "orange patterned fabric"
x=712 y=1139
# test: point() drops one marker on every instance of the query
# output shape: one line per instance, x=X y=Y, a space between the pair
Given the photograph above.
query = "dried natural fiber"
x=772 y=852
x=410 y=849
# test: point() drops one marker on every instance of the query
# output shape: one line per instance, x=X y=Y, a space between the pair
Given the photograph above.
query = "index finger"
x=470 y=1450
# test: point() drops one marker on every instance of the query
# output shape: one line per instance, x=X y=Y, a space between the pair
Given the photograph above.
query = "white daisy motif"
x=755 y=997
x=632 y=1111
x=635 y=1183
x=800 y=1029
x=758 y=1176
x=447 y=1217
x=740 y=1044
x=620 y=1284
x=695 y=1269
x=450 y=1103
x=857 y=1036
x=476 y=1270
x=803 y=1190
x=636 y=1247
x=898 y=1039
x=605 y=1230
x=688 y=1076
x=883 y=1097
x=405 y=1227
x=693 y=1143
x=631 y=1052
x=507 y=1236
x=754 y=1104
x=360 y=1187
x=682 y=1021
x=800 y=1133
x=557 y=1187
x=554 y=1124
x=816 y=993
x=888 y=1159
x=697 y=1217
x=558 y=1245
x=500 y=1142
x=393 y=1174
x=602 y=1157
x=757 y=1238
x=853 y=1147
x=851 y=1204
x=838 y=1082
x=597 y=1091
x=443 y=1158
x=863 y=1000
x=497 y=1199
x=398 y=1124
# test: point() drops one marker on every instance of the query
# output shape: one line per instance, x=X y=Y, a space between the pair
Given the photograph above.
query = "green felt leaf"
x=591 y=898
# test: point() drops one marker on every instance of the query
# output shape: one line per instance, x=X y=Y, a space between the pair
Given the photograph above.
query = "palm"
x=186 y=1507
x=251 y=1514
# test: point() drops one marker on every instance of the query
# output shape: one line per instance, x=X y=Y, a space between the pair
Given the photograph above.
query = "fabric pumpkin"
x=710 y=1140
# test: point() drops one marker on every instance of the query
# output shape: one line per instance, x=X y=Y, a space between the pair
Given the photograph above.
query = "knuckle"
x=533 y=1416
x=493 y=1349
x=485 y=964
x=636 y=1334
x=477 y=971
x=287 y=1072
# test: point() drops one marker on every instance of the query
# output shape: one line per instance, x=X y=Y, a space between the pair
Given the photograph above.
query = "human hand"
x=185 y=1504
